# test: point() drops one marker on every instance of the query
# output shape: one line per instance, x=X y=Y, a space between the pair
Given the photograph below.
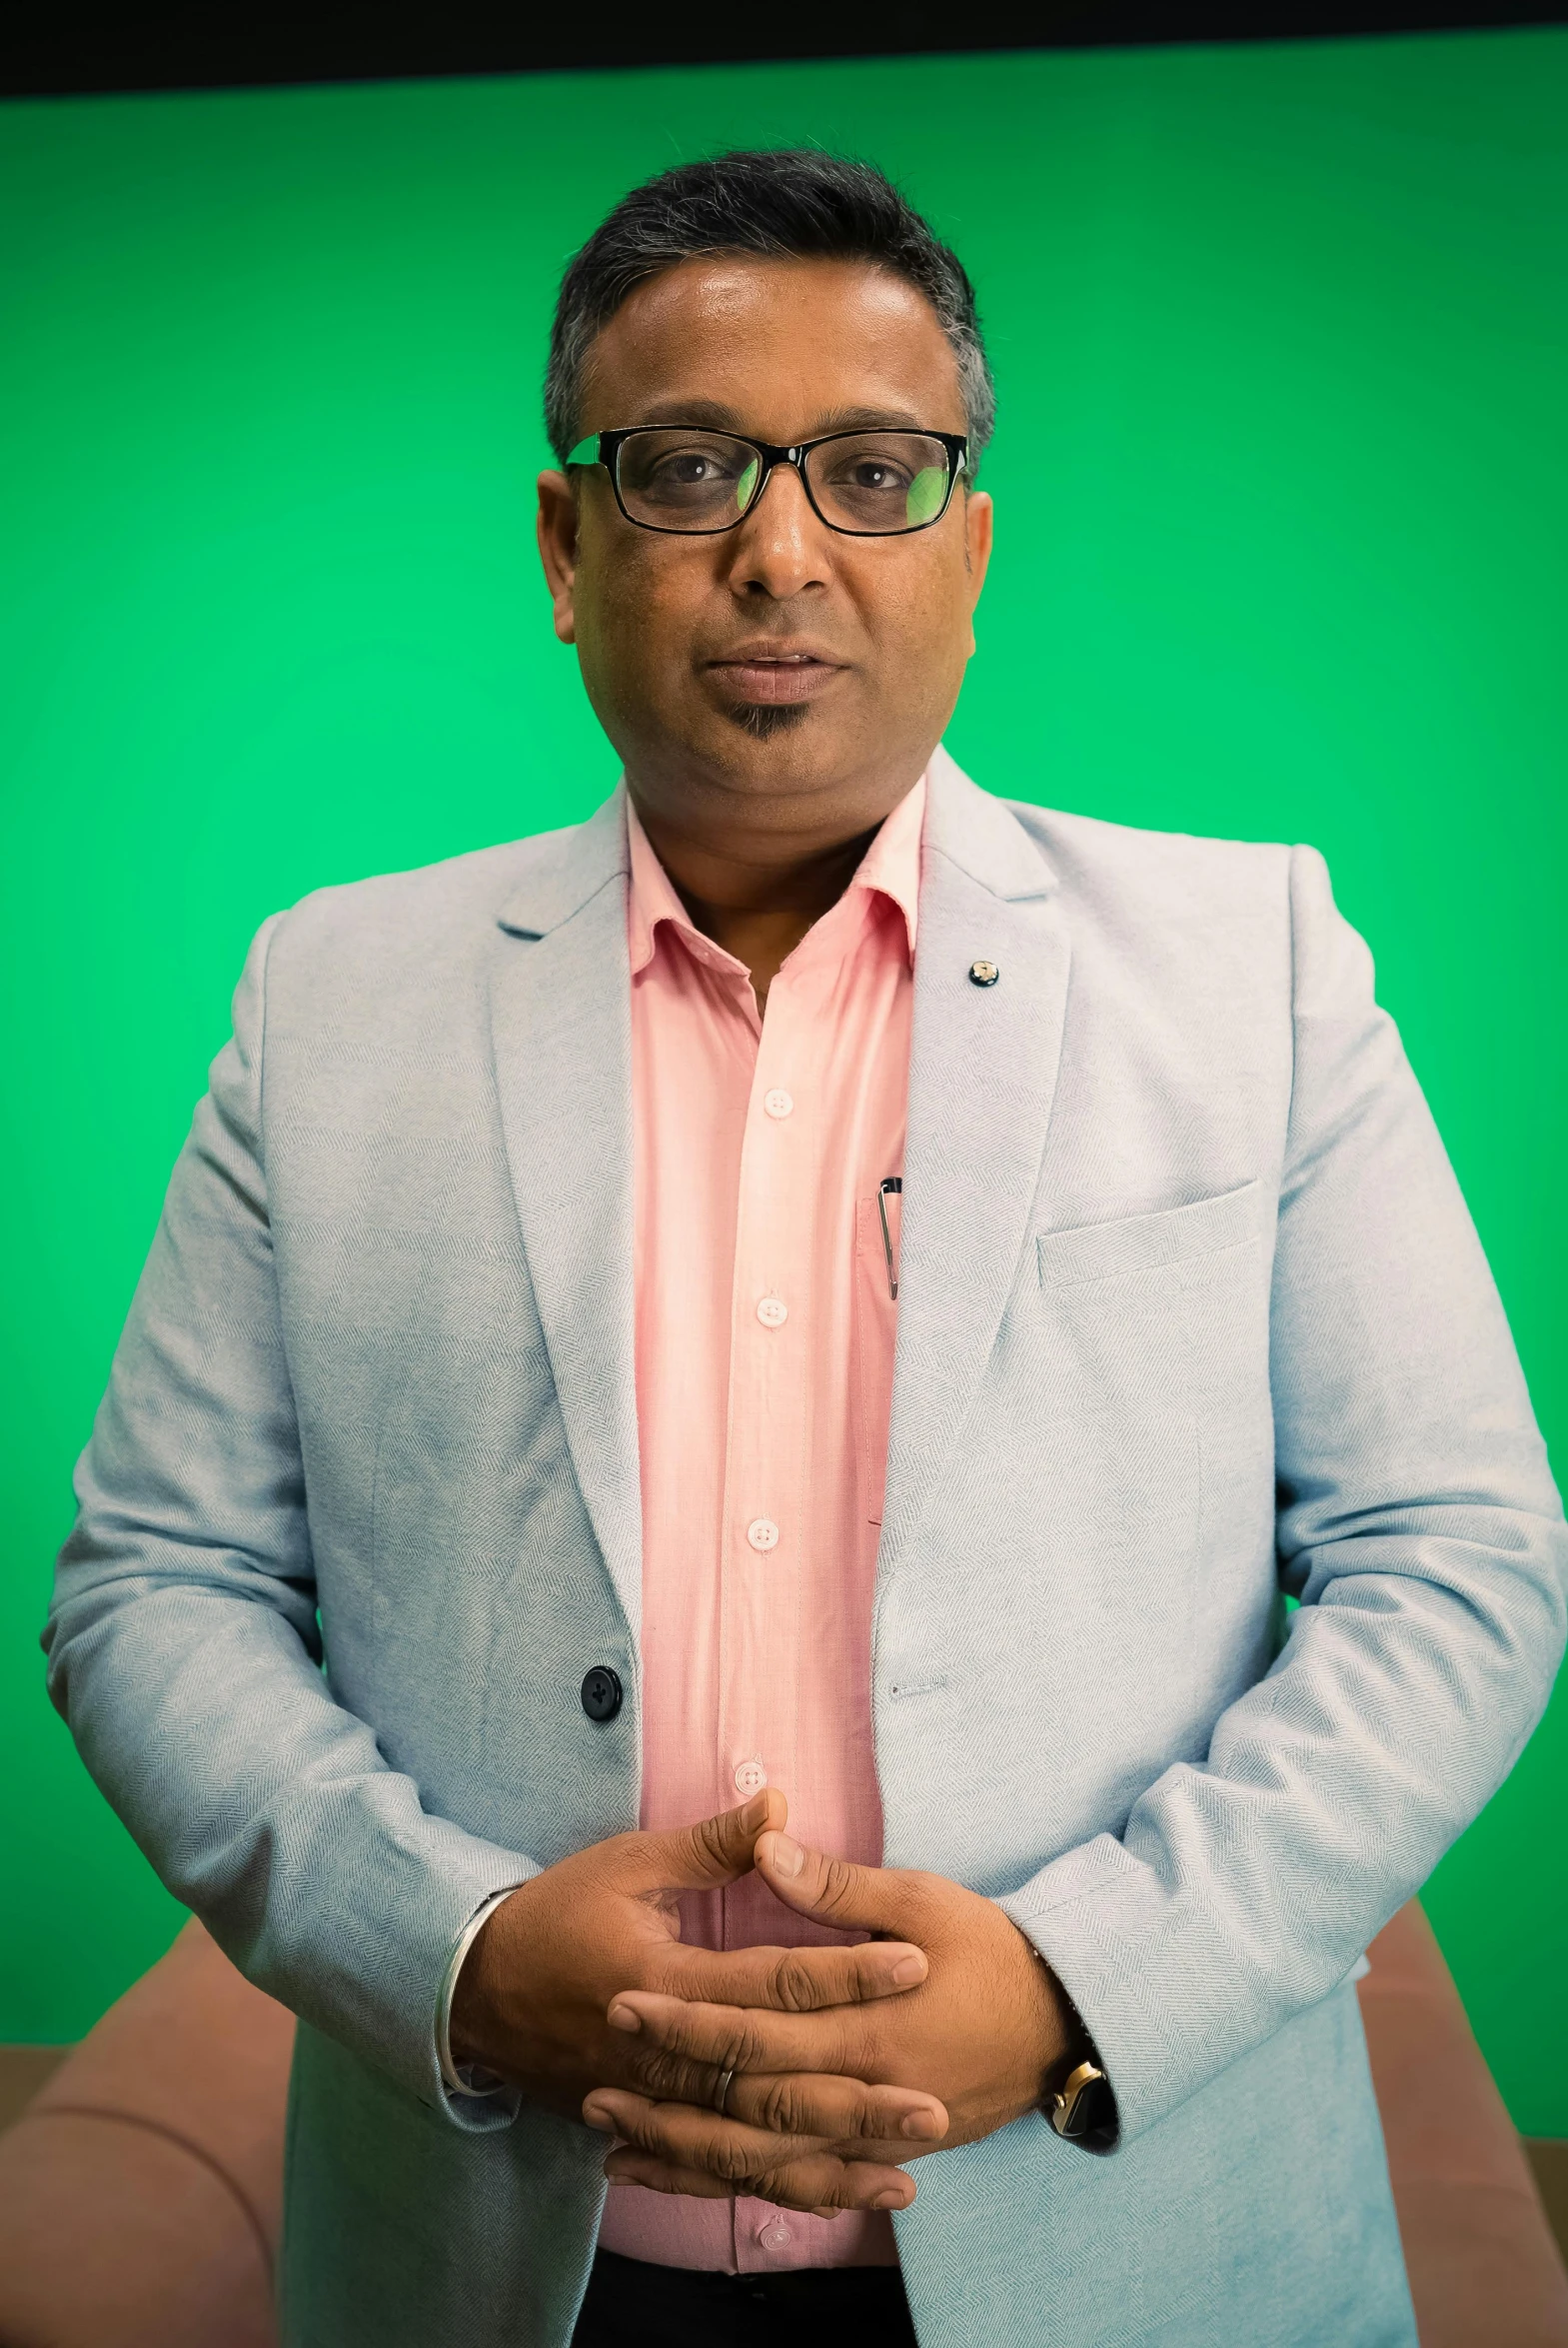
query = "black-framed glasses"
x=692 y=482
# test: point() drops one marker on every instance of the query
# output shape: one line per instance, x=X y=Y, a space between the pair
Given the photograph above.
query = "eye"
x=691 y=469
x=879 y=475
x=682 y=470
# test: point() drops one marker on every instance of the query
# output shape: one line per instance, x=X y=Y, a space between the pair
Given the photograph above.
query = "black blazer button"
x=601 y=1692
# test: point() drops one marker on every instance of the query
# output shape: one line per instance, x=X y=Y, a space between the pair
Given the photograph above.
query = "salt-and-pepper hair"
x=790 y=204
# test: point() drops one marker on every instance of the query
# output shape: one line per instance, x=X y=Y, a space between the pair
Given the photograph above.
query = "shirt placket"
x=769 y=1337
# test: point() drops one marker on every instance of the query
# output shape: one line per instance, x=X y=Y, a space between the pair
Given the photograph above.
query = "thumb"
x=835 y=1892
x=714 y=1850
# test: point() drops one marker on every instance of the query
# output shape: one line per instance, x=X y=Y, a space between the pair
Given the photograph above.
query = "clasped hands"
x=845 y=2061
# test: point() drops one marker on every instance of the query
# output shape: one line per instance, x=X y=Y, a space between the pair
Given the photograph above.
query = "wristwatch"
x=1083 y=2105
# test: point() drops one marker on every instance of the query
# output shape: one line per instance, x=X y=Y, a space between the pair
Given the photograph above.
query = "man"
x=819 y=1299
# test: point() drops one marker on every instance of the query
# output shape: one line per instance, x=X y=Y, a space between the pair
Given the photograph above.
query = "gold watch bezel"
x=1065 y=2102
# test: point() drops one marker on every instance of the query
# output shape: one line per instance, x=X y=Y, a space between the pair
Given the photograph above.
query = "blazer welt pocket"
x=1143 y=1243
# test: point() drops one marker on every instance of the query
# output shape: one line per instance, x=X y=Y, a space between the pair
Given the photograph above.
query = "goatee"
x=759 y=718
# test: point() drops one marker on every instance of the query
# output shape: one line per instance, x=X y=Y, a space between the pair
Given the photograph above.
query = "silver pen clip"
x=895 y=1186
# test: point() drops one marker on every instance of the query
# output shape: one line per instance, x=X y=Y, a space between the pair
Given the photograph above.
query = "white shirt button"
x=750 y=1777
x=772 y=1312
x=762 y=1533
x=778 y=1103
x=776 y=2235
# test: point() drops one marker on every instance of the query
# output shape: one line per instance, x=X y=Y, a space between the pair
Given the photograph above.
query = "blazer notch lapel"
x=983 y=1077
x=982 y=836
x=561 y=1037
x=567 y=868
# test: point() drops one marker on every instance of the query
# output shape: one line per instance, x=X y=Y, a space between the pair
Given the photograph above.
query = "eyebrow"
x=719 y=418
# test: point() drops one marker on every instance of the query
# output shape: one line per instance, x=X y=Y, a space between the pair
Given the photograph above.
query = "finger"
x=790 y=2187
x=716 y=1850
x=692 y=2138
x=744 y=2160
x=847 y=2113
x=844 y=2112
x=637 y=2169
x=833 y=1891
x=791 y=1980
x=673 y=2040
x=822 y=2185
x=664 y=2177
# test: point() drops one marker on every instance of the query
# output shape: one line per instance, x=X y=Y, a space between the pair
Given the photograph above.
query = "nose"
x=779 y=547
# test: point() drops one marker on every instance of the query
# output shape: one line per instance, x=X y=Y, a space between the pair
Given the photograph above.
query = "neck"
x=756 y=897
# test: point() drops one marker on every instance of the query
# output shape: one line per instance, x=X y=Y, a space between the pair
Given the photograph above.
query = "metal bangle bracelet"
x=721 y=2093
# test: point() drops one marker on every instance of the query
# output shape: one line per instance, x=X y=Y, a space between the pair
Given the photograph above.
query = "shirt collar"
x=892 y=861
x=890 y=867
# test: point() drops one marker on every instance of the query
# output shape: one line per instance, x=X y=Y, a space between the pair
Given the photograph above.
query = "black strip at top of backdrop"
x=57 y=48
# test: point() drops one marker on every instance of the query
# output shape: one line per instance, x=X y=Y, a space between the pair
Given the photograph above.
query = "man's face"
x=692 y=647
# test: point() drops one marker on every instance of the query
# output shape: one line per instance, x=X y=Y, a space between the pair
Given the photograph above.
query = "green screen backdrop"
x=1282 y=511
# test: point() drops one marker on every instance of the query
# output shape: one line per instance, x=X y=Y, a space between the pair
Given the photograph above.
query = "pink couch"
x=140 y=2190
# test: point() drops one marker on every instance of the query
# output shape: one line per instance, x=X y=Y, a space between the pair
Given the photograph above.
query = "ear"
x=977 y=547
x=557 y=530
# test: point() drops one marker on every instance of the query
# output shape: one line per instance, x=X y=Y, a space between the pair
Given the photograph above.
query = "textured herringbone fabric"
x=1189 y=1305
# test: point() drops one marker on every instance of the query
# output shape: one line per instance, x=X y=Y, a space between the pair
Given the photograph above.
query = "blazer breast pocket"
x=1147 y=1243
x=1170 y=1311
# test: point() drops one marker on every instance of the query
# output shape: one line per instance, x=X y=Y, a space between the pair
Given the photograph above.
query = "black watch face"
x=1094 y=2111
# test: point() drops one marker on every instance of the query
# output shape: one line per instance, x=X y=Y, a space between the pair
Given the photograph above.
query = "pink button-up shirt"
x=764 y=1334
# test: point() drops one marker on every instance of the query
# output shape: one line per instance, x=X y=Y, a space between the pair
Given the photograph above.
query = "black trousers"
x=632 y=2305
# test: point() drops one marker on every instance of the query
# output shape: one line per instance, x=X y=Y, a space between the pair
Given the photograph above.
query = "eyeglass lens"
x=875 y=483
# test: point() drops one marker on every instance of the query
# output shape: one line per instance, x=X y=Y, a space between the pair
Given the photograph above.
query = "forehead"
x=786 y=345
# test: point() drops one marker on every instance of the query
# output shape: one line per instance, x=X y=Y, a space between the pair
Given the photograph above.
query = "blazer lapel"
x=982 y=1072
x=561 y=1032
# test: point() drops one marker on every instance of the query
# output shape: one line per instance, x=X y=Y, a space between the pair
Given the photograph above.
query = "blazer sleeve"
x=1419 y=1527
x=185 y=1650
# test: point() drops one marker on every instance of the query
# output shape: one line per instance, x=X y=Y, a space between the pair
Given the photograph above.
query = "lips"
x=765 y=675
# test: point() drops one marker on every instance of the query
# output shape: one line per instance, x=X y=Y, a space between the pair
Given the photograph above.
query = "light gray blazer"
x=1192 y=1313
